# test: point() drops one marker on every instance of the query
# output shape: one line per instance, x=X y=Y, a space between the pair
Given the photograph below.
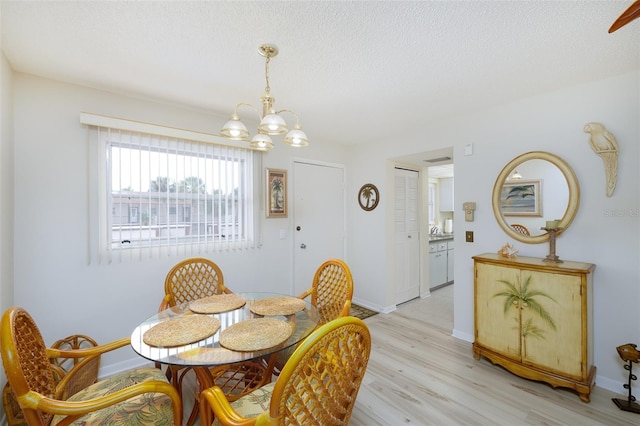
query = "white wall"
x=53 y=279
x=605 y=231
x=52 y=274
x=6 y=188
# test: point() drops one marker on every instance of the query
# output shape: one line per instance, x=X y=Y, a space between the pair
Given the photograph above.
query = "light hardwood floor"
x=419 y=374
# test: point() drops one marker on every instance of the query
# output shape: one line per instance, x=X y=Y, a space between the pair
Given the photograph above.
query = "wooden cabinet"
x=535 y=319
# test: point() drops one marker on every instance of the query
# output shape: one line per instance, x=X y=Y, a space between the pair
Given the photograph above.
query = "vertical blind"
x=163 y=195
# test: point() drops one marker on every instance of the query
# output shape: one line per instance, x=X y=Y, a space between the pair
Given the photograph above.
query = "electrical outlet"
x=469 y=236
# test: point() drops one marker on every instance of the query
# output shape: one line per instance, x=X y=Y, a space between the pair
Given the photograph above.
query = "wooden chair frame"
x=318 y=385
x=32 y=376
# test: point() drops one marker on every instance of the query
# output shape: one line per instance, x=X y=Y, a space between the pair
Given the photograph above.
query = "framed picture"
x=276 y=193
x=521 y=198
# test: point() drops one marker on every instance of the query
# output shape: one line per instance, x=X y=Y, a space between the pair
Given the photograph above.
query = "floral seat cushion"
x=253 y=404
x=146 y=409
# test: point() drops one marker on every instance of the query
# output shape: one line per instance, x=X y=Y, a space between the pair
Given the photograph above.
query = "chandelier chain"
x=267 y=89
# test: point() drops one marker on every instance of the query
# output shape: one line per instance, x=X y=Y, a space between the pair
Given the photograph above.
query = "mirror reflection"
x=533 y=191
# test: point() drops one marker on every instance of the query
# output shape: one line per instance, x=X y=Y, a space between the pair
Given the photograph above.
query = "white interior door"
x=407 y=237
x=318 y=219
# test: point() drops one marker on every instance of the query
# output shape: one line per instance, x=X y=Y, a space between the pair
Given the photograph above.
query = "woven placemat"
x=281 y=305
x=181 y=331
x=217 y=303
x=255 y=334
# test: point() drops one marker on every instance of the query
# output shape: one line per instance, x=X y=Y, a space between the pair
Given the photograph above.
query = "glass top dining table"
x=208 y=352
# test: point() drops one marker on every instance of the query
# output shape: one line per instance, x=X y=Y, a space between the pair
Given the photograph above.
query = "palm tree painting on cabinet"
x=524 y=299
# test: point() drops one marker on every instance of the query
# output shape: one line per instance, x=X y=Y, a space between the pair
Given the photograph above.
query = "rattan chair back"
x=193 y=279
x=521 y=229
x=318 y=385
x=85 y=375
x=321 y=380
x=332 y=290
x=25 y=360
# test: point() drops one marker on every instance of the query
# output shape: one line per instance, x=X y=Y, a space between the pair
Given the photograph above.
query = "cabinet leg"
x=585 y=397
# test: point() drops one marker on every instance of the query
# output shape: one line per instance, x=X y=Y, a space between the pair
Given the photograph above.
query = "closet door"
x=407 y=237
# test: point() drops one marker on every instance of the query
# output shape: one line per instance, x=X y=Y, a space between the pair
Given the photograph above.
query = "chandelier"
x=271 y=121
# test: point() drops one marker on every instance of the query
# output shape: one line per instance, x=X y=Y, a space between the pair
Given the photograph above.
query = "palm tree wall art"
x=276 y=193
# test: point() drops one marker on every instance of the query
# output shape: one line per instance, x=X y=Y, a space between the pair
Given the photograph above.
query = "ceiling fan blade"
x=627 y=16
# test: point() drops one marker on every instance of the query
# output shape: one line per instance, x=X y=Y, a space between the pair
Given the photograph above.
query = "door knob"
x=303 y=246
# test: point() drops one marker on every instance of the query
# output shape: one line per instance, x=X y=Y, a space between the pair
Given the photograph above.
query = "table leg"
x=205 y=381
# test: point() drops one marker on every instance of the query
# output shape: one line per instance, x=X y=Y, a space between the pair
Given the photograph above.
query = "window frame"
x=100 y=221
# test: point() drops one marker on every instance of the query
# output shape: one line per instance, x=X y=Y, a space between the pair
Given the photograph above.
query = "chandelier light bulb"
x=296 y=137
x=273 y=124
x=261 y=142
x=235 y=129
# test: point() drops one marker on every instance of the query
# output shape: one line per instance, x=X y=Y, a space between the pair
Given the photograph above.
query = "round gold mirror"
x=532 y=190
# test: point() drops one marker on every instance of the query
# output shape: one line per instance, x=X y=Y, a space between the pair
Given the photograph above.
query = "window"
x=166 y=193
x=133 y=214
x=431 y=203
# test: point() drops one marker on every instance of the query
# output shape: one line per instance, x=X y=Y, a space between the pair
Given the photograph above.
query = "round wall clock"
x=368 y=197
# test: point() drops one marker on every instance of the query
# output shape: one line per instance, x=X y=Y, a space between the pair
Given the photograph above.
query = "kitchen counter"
x=440 y=237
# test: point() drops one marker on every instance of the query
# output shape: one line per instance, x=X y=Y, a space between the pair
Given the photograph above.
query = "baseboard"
x=121 y=366
x=462 y=336
x=610 y=385
x=377 y=308
x=437 y=287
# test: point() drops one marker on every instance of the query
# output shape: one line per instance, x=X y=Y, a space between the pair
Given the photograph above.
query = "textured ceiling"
x=353 y=71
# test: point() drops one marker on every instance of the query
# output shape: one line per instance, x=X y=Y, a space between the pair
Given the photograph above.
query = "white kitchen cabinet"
x=440 y=266
x=446 y=194
x=450 y=261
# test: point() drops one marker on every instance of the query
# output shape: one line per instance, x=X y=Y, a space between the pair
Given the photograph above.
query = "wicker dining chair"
x=331 y=292
x=141 y=396
x=317 y=386
x=521 y=229
x=86 y=375
x=193 y=279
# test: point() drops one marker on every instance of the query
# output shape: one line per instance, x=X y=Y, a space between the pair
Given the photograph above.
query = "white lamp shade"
x=261 y=142
x=235 y=129
x=515 y=175
x=272 y=124
x=296 y=138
